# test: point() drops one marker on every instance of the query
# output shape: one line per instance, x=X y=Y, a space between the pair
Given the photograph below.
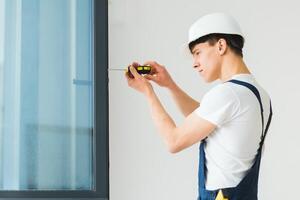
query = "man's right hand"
x=159 y=75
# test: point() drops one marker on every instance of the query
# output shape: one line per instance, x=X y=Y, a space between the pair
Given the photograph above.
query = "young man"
x=230 y=122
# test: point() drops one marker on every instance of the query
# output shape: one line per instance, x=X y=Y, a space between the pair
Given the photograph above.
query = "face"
x=207 y=61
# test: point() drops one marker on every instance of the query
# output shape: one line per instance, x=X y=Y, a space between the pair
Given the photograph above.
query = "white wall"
x=140 y=30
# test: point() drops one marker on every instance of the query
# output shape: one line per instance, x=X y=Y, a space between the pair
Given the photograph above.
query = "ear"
x=222 y=46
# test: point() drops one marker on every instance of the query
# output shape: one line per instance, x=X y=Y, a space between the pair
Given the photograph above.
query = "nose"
x=195 y=64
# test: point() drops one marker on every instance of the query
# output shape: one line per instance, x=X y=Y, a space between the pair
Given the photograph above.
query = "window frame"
x=101 y=130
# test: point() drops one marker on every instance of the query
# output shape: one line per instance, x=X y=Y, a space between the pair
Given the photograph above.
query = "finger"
x=129 y=80
x=127 y=76
x=148 y=76
x=151 y=77
x=134 y=72
x=128 y=73
x=155 y=67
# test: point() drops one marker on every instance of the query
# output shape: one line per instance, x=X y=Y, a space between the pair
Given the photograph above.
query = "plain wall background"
x=140 y=30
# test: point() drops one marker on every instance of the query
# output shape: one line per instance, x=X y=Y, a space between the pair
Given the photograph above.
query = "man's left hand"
x=138 y=82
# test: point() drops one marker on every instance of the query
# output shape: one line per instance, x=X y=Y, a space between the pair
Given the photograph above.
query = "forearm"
x=184 y=102
x=162 y=120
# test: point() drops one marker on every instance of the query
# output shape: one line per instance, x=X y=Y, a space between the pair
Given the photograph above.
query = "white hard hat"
x=214 y=23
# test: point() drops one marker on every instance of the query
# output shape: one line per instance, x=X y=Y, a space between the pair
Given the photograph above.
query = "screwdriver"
x=141 y=69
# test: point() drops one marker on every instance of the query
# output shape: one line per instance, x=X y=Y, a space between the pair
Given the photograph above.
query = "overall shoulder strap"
x=256 y=93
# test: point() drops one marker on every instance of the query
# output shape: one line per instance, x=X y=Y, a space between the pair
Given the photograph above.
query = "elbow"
x=174 y=149
x=175 y=144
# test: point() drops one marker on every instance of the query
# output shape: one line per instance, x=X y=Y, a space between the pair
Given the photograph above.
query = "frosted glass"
x=46 y=95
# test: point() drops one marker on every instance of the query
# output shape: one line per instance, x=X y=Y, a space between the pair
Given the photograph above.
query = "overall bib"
x=247 y=188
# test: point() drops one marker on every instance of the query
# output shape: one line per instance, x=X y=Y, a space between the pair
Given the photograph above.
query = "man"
x=232 y=119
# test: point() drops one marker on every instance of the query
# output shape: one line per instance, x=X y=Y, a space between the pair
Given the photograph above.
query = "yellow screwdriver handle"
x=142 y=69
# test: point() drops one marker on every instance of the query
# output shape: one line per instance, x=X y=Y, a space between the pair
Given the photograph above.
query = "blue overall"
x=247 y=188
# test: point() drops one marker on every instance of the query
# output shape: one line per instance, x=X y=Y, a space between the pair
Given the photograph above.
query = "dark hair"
x=235 y=42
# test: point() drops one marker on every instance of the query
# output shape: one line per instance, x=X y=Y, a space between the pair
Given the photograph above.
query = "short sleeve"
x=219 y=105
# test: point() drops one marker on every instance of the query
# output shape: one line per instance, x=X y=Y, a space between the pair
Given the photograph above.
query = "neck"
x=231 y=66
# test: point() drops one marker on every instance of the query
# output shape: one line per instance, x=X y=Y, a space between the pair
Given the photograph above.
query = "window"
x=53 y=99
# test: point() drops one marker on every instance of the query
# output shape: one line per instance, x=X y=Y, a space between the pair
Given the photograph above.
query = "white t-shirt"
x=230 y=150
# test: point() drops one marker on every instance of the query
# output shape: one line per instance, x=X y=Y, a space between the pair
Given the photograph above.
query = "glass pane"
x=46 y=95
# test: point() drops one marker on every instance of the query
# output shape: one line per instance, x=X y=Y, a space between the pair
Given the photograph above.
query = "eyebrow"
x=193 y=51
